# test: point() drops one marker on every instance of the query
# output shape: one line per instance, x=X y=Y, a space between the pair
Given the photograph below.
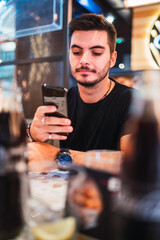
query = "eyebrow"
x=97 y=46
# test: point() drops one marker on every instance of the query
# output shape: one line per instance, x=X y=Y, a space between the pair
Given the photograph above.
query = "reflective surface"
x=23 y=18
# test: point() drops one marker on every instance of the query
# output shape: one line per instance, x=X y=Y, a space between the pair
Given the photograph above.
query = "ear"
x=113 y=59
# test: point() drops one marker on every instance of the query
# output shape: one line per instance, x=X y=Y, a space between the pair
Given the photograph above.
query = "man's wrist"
x=78 y=156
x=29 y=133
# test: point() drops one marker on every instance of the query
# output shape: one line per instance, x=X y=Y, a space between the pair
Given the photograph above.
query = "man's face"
x=90 y=57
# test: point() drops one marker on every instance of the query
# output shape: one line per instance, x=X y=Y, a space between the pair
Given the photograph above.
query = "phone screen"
x=56 y=96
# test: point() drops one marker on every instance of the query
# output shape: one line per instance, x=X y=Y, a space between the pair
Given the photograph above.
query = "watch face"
x=64 y=161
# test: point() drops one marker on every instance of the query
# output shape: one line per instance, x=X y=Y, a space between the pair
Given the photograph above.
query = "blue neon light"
x=90 y=5
x=157 y=42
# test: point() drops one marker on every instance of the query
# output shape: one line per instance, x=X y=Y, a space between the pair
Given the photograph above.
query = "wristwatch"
x=29 y=134
x=64 y=159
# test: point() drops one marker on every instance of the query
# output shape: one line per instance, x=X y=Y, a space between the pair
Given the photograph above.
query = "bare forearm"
x=39 y=153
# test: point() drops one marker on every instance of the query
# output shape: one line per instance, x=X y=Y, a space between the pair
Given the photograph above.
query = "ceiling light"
x=157 y=23
x=7 y=46
x=110 y=18
x=120 y=40
x=153 y=33
x=121 y=66
x=90 y=5
x=136 y=3
x=84 y=2
x=2 y=3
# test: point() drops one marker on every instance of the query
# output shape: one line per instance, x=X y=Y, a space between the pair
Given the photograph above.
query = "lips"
x=85 y=71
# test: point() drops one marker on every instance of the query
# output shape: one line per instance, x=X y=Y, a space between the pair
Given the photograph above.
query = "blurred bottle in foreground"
x=91 y=189
x=137 y=209
x=13 y=174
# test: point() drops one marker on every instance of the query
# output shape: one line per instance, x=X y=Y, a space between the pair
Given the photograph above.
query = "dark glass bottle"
x=13 y=170
x=137 y=209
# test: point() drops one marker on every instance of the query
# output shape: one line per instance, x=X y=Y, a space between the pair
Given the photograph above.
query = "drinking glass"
x=46 y=204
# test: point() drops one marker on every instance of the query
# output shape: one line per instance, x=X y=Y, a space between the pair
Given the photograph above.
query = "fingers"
x=44 y=128
x=45 y=109
x=57 y=121
x=57 y=132
x=43 y=120
x=54 y=136
x=57 y=129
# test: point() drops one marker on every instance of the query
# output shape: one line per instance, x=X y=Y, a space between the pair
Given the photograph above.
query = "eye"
x=96 y=53
x=76 y=53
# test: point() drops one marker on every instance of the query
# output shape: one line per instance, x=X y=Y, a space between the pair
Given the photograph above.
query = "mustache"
x=85 y=68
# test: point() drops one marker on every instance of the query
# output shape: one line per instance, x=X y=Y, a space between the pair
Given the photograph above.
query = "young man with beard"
x=98 y=107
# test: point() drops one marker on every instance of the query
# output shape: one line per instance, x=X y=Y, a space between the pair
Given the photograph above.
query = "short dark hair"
x=92 y=21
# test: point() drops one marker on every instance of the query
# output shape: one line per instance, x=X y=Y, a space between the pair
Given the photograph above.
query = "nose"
x=85 y=59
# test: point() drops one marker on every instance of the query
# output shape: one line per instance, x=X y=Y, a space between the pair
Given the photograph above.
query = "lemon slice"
x=63 y=229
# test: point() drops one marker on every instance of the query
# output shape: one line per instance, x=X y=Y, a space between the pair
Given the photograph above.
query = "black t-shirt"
x=98 y=125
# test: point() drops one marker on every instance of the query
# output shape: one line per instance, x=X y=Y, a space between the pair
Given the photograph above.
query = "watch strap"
x=64 y=150
x=29 y=133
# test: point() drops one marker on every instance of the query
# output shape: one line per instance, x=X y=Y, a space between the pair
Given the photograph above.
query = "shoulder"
x=123 y=92
x=123 y=88
x=123 y=97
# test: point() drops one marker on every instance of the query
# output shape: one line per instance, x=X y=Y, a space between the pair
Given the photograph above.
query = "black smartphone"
x=56 y=96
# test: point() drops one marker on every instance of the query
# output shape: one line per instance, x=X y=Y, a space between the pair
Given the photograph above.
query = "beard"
x=100 y=76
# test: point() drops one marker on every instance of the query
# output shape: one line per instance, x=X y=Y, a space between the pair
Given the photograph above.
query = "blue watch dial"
x=65 y=159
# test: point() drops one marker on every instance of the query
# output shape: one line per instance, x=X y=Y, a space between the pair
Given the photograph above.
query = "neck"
x=95 y=93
